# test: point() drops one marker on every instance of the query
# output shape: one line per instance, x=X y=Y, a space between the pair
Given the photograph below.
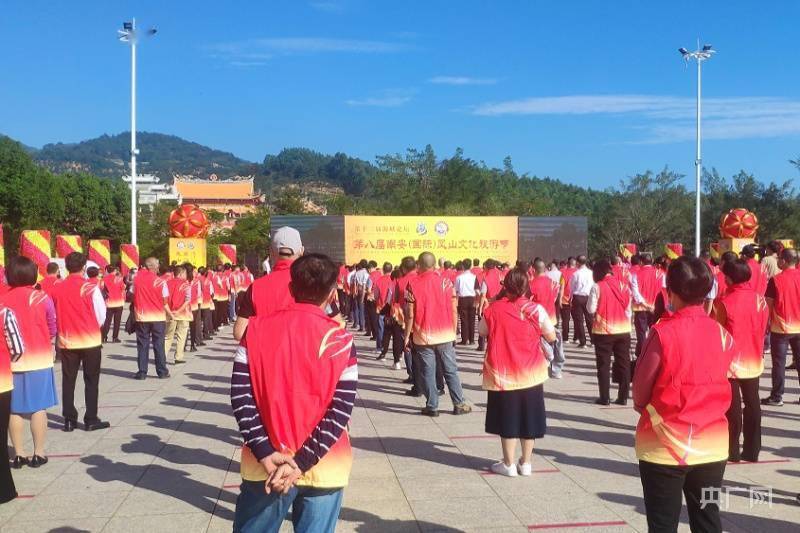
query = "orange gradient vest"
x=30 y=307
x=611 y=317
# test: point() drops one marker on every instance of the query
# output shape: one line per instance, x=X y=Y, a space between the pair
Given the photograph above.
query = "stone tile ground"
x=170 y=460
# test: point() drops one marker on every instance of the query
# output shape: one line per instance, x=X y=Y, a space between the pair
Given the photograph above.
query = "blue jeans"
x=313 y=510
x=555 y=354
x=379 y=333
x=446 y=354
x=148 y=333
x=232 y=307
x=359 y=318
x=780 y=347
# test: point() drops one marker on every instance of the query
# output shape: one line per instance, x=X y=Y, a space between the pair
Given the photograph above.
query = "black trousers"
x=664 y=486
x=220 y=313
x=641 y=321
x=208 y=322
x=566 y=313
x=394 y=331
x=620 y=347
x=71 y=361
x=371 y=318
x=343 y=303
x=581 y=316
x=115 y=314
x=7 y=489
x=466 y=313
x=749 y=420
x=196 y=328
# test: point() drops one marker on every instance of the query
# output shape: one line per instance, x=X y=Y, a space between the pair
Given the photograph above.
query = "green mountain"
x=108 y=156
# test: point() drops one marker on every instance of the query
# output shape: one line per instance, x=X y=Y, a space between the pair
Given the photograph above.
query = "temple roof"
x=198 y=189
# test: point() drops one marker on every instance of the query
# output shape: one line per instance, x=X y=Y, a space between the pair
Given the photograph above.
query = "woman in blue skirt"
x=34 y=381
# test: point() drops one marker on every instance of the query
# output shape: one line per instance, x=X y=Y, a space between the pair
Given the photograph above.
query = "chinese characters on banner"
x=453 y=238
x=192 y=251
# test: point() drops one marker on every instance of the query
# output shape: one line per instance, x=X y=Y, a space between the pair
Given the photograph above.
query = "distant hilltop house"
x=232 y=197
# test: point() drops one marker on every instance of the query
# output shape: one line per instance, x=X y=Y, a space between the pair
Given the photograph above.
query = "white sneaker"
x=524 y=469
x=501 y=468
x=397 y=366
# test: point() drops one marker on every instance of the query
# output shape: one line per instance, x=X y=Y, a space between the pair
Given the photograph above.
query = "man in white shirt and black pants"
x=465 y=290
x=582 y=283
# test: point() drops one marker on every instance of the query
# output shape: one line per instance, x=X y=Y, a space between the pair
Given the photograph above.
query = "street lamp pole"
x=700 y=55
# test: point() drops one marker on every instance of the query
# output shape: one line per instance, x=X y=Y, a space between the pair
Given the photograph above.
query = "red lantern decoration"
x=188 y=221
x=738 y=223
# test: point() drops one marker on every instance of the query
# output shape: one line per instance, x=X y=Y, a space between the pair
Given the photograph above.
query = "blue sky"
x=584 y=91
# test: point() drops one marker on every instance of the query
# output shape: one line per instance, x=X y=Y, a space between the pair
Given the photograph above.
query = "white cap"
x=287 y=239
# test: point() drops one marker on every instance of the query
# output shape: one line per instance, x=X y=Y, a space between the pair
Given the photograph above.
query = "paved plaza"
x=169 y=462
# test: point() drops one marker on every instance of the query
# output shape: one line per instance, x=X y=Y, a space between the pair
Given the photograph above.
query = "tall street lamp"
x=128 y=34
x=700 y=55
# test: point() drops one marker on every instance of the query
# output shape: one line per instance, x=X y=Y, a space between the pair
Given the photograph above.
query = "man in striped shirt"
x=292 y=391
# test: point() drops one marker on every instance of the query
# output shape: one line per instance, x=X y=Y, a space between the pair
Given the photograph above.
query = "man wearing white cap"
x=270 y=293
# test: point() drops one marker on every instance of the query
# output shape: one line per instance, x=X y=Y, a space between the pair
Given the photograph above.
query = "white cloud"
x=267 y=48
x=668 y=118
x=461 y=80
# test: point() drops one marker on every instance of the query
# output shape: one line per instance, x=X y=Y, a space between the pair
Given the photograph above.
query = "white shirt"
x=465 y=284
x=555 y=275
x=266 y=267
x=361 y=277
x=99 y=305
x=582 y=281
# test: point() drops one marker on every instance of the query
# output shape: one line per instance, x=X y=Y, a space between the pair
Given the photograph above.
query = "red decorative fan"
x=188 y=221
x=738 y=223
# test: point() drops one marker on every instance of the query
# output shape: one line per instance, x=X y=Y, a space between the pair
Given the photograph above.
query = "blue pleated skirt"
x=34 y=391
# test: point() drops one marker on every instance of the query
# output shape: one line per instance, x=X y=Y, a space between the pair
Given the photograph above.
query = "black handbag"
x=130 y=323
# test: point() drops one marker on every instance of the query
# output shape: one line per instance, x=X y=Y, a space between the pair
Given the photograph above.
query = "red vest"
x=77 y=323
x=611 y=317
x=30 y=307
x=177 y=297
x=271 y=292
x=433 y=309
x=293 y=380
x=566 y=280
x=218 y=280
x=747 y=317
x=514 y=358
x=786 y=308
x=197 y=292
x=544 y=291
x=650 y=283
x=48 y=283
x=684 y=423
x=6 y=380
x=206 y=286
x=493 y=285
x=148 y=297
x=758 y=278
x=115 y=286
x=381 y=290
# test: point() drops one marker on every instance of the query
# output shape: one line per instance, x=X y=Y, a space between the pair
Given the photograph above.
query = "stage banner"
x=35 y=245
x=452 y=238
x=100 y=252
x=128 y=258
x=187 y=250
x=66 y=244
x=226 y=253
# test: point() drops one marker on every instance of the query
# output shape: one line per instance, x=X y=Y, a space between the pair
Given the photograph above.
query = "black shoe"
x=140 y=376
x=164 y=376
x=621 y=401
x=69 y=425
x=413 y=393
x=193 y=349
x=115 y=341
x=441 y=392
x=430 y=412
x=602 y=402
x=19 y=462
x=100 y=424
x=105 y=341
x=37 y=461
x=178 y=362
x=410 y=381
x=772 y=401
x=381 y=357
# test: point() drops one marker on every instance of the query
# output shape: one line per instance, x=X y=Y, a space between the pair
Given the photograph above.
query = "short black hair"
x=738 y=271
x=582 y=260
x=749 y=251
x=476 y=262
x=313 y=277
x=75 y=262
x=728 y=256
x=636 y=259
x=647 y=259
x=92 y=272
x=448 y=264
x=601 y=269
x=373 y=264
x=515 y=284
x=387 y=267
x=21 y=272
x=363 y=263
x=52 y=268
x=110 y=269
x=774 y=247
x=690 y=278
x=408 y=264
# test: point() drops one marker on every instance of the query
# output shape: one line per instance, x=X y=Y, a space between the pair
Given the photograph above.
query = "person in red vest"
x=620 y=270
x=271 y=293
x=407 y=272
x=370 y=310
x=180 y=306
x=49 y=281
x=431 y=321
x=783 y=299
x=759 y=278
x=566 y=298
x=744 y=313
x=34 y=377
x=11 y=349
x=115 y=300
x=645 y=286
x=546 y=292
x=610 y=302
x=151 y=309
x=80 y=312
x=196 y=300
x=220 y=295
x=682 y=392
x=296 y=449
x=491 y=285
x=514 y=371
x=207 y=302
x=380 y=291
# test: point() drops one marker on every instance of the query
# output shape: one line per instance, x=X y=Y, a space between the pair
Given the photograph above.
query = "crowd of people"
x=684 y=339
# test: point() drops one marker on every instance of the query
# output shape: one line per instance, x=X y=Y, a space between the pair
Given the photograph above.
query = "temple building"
x=232 y=197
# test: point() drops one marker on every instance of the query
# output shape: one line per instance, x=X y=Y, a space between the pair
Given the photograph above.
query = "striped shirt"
x=13 y=337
